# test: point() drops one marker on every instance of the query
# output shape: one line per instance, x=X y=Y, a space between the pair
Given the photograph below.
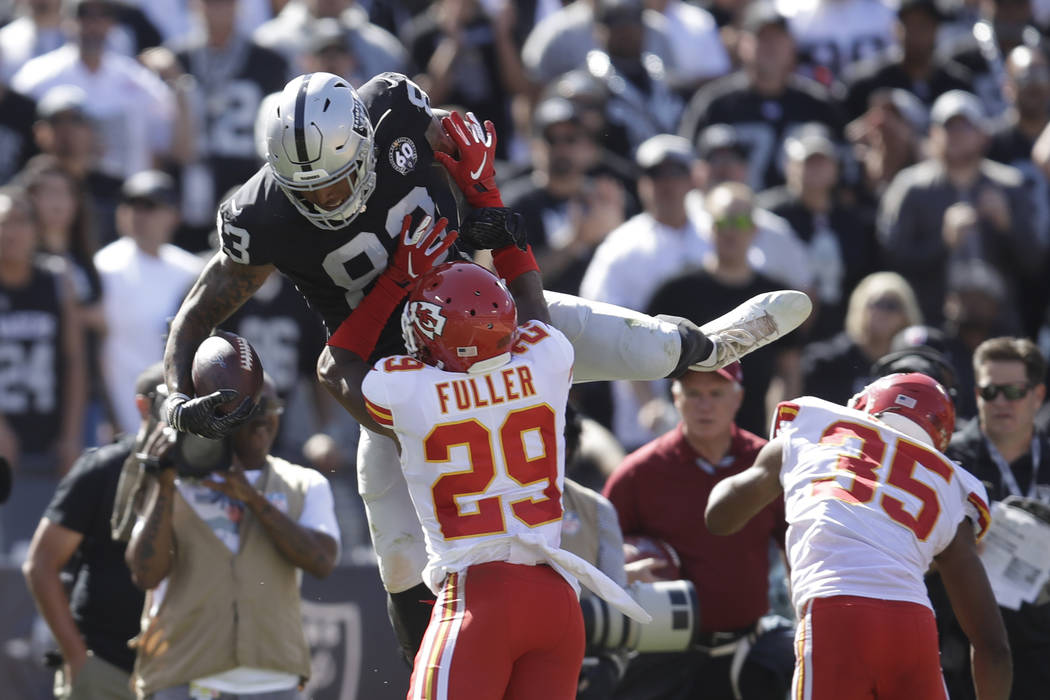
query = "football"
x=637 y=547
x=227 y=361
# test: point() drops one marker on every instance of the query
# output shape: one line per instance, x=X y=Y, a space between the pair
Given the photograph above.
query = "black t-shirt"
x=335 y=269
x=700 y=298
x=17 y=114
x=106 y=605
x=31 y=369
x=887 y=72
x=761 y=123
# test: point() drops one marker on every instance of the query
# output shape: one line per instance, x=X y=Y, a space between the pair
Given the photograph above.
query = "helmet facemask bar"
x=361 y=179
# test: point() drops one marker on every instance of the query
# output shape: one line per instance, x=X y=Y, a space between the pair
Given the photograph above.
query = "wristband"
x=360 y=332
x=483 y=197
x=511 y=262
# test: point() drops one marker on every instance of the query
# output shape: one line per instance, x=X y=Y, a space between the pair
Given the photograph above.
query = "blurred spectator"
x=65 y=226
x=765 y=100
x=133 y=109
x=726 y=280
x=881 y=305
x=840 y=244
x=222 y=558
x=638 y=94
x=64 y=131
x=982 y=49
x=42 y=390
x=37 y=30
x=43 y=26
x=776 y=252
x=567 y=211
x=144 y=278
x=1002 y=448
x=290 y=31
x=955 y=206
x=232 y=75
x=17 y=114
x=466 y=55
x=94 y=624
x=657 y=491
x=589 y=98
x=1027 y=92
x=910 y=66
x=696 y=45
x=561 y=41
x=886 y=139
x=328 y=51
x=639 y=255
x=834 y=34
x=977 y=306
x=42 y=397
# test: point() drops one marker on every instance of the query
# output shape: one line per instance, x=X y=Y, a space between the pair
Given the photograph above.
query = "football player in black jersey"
x=349 y=176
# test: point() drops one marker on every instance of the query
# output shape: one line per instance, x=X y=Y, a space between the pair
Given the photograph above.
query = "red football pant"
x=851 y=648
x=501 y=630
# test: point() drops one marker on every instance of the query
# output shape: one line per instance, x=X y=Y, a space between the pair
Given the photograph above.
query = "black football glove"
x=197 y=415
x=489 y=228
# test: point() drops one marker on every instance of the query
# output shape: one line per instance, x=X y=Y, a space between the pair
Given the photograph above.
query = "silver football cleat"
x=754 y=324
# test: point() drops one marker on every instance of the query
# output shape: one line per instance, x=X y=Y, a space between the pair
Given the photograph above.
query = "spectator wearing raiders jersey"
x=43 y=391
x=911 y=66
x=764 y=100
x=858 y=552
x=1003 y=448
x=656 y=490
x=230 y=76
x=917 y=227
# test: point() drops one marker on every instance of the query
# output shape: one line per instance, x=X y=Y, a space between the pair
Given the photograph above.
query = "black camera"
x=676 y=619
x=194 y=457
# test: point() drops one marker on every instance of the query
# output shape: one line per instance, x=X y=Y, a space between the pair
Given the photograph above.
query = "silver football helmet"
x=318 y=133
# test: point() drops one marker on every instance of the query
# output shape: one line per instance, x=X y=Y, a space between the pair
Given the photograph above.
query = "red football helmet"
x=914 y=396
x=459 y=314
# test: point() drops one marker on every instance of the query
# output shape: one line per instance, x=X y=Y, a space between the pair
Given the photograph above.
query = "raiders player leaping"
x=344 y=170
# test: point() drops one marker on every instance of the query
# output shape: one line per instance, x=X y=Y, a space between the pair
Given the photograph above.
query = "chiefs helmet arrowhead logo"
x=427 y=318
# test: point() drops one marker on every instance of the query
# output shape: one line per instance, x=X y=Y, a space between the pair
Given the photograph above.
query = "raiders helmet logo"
x=427 y=318
x=403 y=155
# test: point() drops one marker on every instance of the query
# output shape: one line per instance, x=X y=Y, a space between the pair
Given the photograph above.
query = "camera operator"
x=92 y=626
x=659 y=491
x=221 y=558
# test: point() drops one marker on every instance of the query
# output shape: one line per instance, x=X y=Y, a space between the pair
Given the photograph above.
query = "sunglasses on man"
x=1012 y=392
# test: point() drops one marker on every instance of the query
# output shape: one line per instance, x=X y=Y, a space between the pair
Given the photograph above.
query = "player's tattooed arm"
x=342 y=372
x=151 y=548
x=221 y=289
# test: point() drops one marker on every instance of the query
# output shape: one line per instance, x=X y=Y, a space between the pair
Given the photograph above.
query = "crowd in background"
x=890 y=158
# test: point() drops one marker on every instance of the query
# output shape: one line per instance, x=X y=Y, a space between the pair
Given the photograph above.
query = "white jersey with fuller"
x=483 y=457
x=868 y=507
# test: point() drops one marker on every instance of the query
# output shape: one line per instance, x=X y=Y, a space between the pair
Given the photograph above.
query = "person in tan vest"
x=221 y=558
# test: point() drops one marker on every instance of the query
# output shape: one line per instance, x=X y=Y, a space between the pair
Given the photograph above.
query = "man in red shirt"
x=661 y=491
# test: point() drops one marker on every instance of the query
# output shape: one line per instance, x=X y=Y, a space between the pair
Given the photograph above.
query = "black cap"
x=150 y=185
x=930 y=6
x=554 y=110
x=760 y=15
x=718 y=137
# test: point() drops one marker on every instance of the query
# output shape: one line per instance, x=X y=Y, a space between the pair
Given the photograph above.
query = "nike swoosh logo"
x=475 y=175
